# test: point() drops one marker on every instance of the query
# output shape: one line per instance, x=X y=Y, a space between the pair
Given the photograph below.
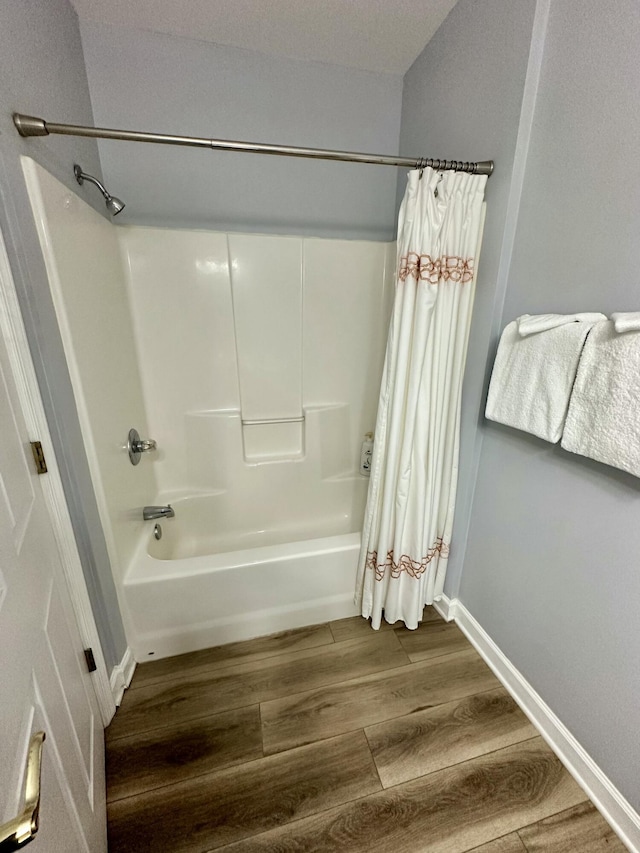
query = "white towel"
x=627 y=322
x=528 y=324
x=604 y=412
x=532 y=378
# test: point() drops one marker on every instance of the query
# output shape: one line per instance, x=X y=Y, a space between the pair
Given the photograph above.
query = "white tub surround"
x=89 y=292
x=274 y=547
x=264 y=328
x=259 y=361
x=266 y=287
x=208 y=582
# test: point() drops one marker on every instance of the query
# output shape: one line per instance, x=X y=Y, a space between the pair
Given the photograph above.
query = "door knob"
x=22 y=829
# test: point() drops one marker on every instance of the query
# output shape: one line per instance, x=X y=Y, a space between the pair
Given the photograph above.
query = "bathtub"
x=209 y=581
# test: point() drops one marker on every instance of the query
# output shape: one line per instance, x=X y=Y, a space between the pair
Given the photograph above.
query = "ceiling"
x=373 y=35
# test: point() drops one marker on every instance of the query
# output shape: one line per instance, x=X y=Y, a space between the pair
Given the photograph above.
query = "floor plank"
x=462 y=768
x=356 y=626
x=581 y=828
x=201 y=695
x=353 y=627
x=431 y=640
x=295 y=720
x=223 y=656
x=210 y=811
x=164 y=756
x=420 y=743
x=454 y=809
x=507 y=844
x=429 y=614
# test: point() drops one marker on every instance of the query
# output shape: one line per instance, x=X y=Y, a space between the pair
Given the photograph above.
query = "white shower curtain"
x=410 y=505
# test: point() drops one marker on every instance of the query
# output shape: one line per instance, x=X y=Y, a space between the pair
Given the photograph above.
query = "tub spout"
x=151 y=512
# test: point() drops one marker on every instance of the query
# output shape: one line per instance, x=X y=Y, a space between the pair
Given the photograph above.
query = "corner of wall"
x=525 y=124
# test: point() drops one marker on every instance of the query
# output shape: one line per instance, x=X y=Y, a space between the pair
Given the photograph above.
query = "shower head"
x=114 y=205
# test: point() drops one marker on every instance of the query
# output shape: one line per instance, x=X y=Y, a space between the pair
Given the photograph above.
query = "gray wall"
x=462 y=100
x=42 y=73
x=552 y=560
x=148 y=81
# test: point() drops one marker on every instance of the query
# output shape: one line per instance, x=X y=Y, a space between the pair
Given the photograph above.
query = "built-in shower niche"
x=315 y=478
x=271 y=441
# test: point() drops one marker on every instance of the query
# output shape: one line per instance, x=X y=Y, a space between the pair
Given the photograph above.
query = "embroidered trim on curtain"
x=425 y=268
x=394 y=568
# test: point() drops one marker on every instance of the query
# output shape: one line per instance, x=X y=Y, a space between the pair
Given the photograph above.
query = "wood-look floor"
x=338 y=738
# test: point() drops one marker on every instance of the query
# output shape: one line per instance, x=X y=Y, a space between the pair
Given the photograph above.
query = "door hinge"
x=91 y=661
x=38 y=455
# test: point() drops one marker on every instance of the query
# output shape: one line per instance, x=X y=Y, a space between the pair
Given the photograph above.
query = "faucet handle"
x=137 y=445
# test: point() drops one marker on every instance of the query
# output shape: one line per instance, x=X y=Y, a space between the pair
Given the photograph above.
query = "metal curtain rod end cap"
x=30 y=125
x=484 y=167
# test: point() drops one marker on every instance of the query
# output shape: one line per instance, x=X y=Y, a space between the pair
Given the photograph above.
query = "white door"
x=44 y=679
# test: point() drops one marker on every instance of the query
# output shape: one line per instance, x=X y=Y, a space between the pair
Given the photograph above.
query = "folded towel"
x=528 y=324
x=532 y=378
x=604 y=412
x=629 y=322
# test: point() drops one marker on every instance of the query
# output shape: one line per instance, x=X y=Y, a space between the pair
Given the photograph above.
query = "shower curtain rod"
x=32 y=126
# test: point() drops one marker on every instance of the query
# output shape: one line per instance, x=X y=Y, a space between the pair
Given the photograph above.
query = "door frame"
x=14 y=333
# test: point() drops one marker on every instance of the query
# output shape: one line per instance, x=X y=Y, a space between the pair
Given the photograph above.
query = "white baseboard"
x=446 y=607
x=605 y=796
x=121 y=675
